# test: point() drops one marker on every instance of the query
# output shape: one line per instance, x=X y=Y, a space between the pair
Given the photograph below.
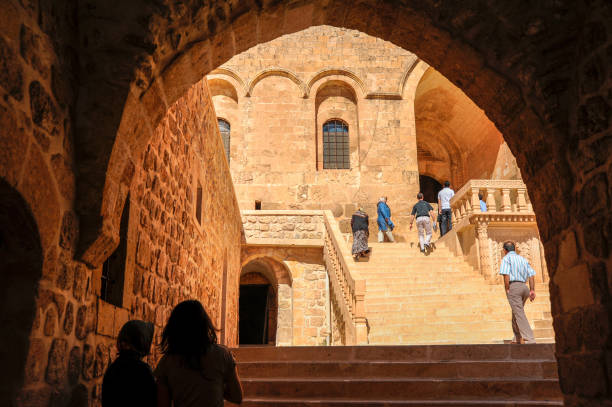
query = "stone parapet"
x=479 y=236
x=283 y=227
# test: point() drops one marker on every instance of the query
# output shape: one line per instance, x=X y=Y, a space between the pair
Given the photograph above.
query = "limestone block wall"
x=278 y=95
x=180 y=249
x=283 y=225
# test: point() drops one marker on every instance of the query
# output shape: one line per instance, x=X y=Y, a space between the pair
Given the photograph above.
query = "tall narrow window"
x=199 y=204
x=113 y=269
x=224 y=128
x=336 y=145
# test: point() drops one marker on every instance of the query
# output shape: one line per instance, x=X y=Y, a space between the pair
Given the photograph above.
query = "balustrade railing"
x=348 y=289
x=509 y=216
x=500 y=196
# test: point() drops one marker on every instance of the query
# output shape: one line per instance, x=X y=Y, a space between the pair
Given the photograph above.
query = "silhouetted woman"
x=194 y=371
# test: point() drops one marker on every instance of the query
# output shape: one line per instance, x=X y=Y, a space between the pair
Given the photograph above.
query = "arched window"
x=336 y=145
x=224 y=129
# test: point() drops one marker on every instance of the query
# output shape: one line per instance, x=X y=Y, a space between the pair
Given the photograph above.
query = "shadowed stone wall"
x=71 y=333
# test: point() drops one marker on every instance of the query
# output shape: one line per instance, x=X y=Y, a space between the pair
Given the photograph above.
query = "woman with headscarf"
x=129 y=381
x=361 y=232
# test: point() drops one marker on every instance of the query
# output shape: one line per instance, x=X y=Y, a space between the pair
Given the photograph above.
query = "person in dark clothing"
x=361 y=233
x=423 y=212
x=128 y=381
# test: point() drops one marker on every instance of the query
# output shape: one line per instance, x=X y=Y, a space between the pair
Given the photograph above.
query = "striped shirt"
x=517 y=267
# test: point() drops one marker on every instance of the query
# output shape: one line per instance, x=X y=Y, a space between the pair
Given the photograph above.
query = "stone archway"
x=538 y=71
x=21 y=261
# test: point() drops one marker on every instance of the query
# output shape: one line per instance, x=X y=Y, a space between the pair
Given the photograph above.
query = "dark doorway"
x=21 y=261
x=430 y=188
x=253 y=317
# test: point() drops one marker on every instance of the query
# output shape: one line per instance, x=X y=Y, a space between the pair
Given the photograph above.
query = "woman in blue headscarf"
x=385 y=225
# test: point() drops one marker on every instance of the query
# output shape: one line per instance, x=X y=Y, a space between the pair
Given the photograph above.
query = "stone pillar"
x=482 y=235
x=526 y=197
x=491 y=206
x=521 y=203
x=506 y=206
x=456 y=213
x=284 y=328
x=475 y=201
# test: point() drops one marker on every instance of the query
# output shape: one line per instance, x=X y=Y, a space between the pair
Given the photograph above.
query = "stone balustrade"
x=479 y=236
x=346 y=288
x=501 y=196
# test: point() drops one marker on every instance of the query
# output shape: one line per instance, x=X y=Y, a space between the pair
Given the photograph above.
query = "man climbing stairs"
x=439 y=299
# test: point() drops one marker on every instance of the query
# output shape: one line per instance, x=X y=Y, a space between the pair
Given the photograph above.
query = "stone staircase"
x=438 y=299
x=380 y=376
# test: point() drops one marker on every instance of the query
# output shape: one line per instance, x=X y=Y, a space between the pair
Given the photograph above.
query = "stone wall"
x=302 y=287
x=283 y=225
x=278 y=95
x=64 y=334
x=175 y=253
x=294 y=85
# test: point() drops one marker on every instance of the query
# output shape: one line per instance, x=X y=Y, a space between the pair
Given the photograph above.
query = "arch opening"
x=258 y=305
x=429 y=187
x=21 y=262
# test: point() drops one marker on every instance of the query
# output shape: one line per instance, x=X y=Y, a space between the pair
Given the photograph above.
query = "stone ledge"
x=279 y=212
x=284 y=242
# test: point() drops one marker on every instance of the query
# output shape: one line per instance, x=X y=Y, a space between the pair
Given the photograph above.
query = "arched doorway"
x=20 y=269
x=429 y=187
x=258 y=306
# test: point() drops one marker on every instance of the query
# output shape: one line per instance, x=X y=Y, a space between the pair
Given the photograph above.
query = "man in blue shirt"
x=385 y=225
x=483 y=205
x=516 y=271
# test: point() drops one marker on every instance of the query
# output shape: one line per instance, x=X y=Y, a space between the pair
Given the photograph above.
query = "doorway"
x=254 y=314
x=430 y=188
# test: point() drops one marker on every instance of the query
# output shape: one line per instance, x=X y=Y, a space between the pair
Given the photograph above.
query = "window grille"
x=224 y=129
x=336 y=145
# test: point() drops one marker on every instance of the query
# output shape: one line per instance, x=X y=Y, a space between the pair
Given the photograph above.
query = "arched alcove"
x=336 y=101
x=21 y=261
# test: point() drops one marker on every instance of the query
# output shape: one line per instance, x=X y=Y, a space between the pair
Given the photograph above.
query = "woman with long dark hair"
x=194 y=371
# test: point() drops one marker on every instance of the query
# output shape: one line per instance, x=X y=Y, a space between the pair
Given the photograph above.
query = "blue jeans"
x=446 y=225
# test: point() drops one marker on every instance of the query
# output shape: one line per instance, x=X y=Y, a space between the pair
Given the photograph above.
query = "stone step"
x=496 y=331
x=433 y=353
x=307 y=402
x=377 y=295
x=403 y=388
x=537 y=318
x=537 y=369
x=451 y=307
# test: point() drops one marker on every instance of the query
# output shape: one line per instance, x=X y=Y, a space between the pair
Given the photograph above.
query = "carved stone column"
x=475 y=201
x=526 y=197
x=521 y=203
x=482 y=235
x=491 y=205
x=506 y=205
